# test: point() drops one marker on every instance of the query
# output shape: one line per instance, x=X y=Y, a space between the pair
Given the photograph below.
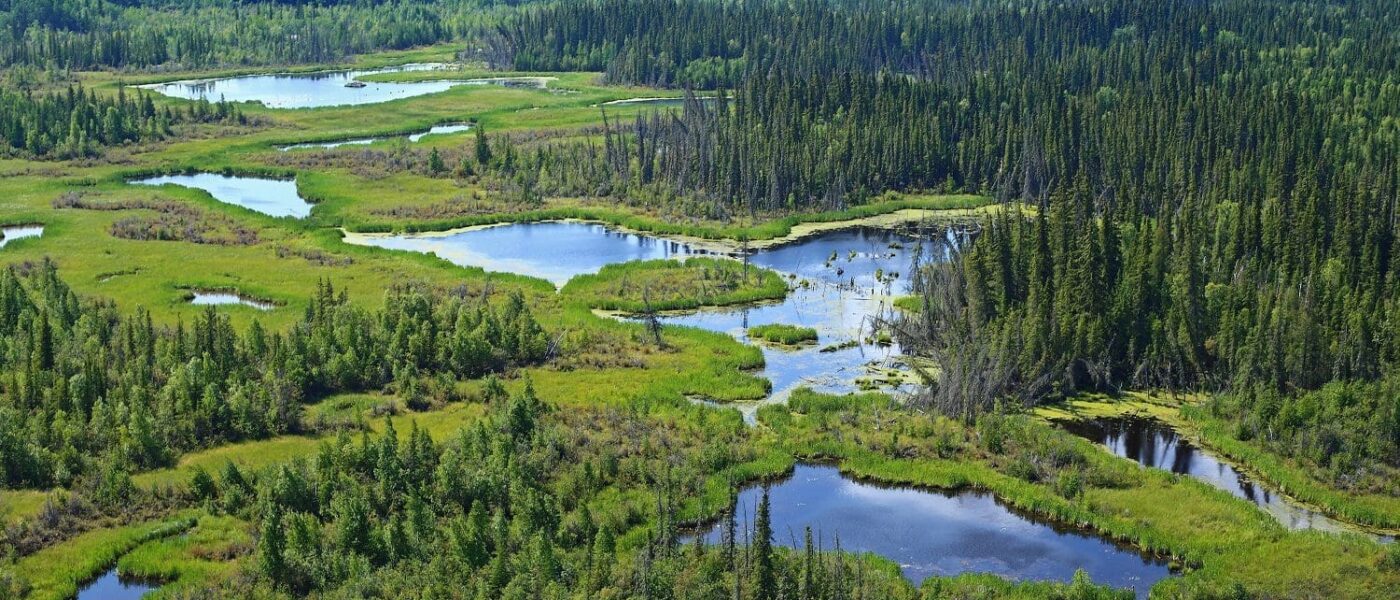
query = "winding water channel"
x=111 y=585
x=1154 y=444
x=445 y=129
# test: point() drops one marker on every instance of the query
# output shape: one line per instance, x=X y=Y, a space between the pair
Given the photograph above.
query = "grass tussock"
x=787 y=335
x=640 y=286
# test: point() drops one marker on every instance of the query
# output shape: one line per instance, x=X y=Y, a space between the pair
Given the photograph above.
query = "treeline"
x=78 y=122
x=90 y=34
x=86 y=387
x=705 y=44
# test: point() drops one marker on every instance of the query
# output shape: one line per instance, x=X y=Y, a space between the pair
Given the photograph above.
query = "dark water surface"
x=112 y=586
x=1154 y=444
x=932 y=533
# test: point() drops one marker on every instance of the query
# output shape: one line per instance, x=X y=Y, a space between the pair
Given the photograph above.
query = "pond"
x=112 y=586
x=326 y=88
x=552 y=250
x=936 y=533
x=1154 y=444
x=216 y=298
x=275 y=197
x=10 y=233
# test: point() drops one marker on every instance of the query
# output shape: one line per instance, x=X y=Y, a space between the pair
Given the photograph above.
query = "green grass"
x=911 y=304
x=213 y=549
x=1222 y=538
x=787 y=335
x=56 y=572
x=661 y=285
x=1280 y=473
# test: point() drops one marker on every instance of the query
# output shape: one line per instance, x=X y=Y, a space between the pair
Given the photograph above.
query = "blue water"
x=554 y=251
x=934 y=533
x=111 y=586
x=1156 y=445
x=841 y=282
x=275 y=197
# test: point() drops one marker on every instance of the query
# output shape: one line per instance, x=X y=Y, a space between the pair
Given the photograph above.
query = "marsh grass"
x=1280 y=473
x=1220 y=539
x=56 y=572
x=780 y=333
x=660 y=285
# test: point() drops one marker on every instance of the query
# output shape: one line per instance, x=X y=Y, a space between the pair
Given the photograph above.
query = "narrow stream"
x=112 y=586
x=445 y=129
x=1156 y=445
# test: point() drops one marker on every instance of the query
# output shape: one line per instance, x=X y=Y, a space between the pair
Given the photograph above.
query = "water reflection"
x=935 y=533
x=552 y=250
x=848 y=280
x=440 y=130
x=112 y=586
x=326 y=88
x=1154 y=444
x=275 y=197
x=10 y=233
x=200 y=298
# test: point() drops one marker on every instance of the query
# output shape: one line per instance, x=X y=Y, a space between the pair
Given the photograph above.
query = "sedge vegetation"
x=647 y=286
x=782 y=333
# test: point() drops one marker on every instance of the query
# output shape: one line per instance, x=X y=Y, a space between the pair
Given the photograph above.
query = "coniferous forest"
x=317 y=299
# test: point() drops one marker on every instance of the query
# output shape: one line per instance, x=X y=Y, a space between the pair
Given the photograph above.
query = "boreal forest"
x=699 y=299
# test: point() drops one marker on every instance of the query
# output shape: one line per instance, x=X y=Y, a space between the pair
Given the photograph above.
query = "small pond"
x=112 y=586
x=1154 y=444
x=10 y=233
x=936 y=533
x=214 y=298
x=326 y=88
x=275 y=197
